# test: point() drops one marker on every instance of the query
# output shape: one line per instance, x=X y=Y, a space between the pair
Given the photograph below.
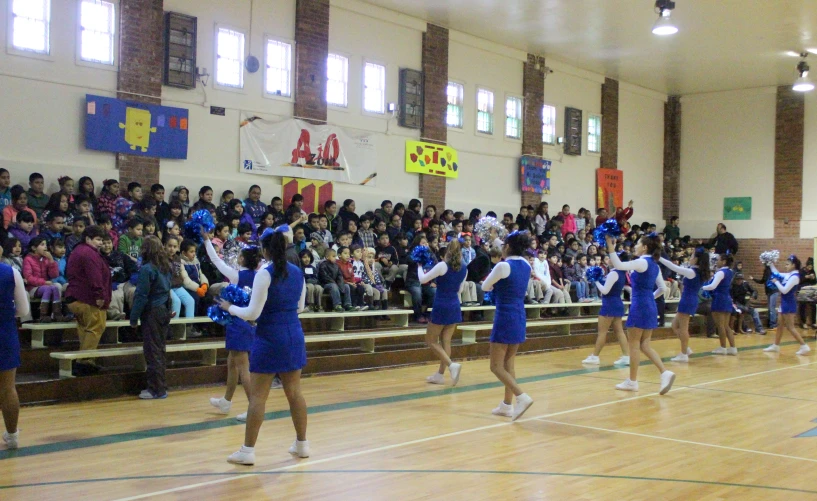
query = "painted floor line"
x=425 y=439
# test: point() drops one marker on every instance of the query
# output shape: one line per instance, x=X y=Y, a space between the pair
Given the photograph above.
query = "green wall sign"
x=737 y=208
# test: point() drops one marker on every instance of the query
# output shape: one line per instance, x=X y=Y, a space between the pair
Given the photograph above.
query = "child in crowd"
x=331 y=279
x=366 y=233
x=193 y=268
x=180 y=283
x=106 y=203
x=344 y=240
x=19 y=203
x=313 y=286
x=162 y=208
x=540 y=266
x=276 y=208
x=123 y=270
x=535 y=292
x=36 y=196
x=130 y=243
x=13 y=254
x=387 y=259
x=181 y=195
x=84 y=209
x=220 y=237
x=347 y=269
x=415 y=229
x=223 y=208
x=54 y=226
x=582 y=266
x=572 y=275
x=323 y=231
x=468 y=253
x=149 y=228
x=317 y=248
x=57 y=249
x=39 y=271
x=75 y=238
x=205 y=200
x=299 y=238
x=104 y=221
x=67 y=188
x=171 y=230
x=561 y=290
x=266 y=221
x=374 y=283
x=24 y=230
x=125 y=209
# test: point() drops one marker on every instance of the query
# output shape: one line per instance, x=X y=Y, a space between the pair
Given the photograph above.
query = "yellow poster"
x=432 y=159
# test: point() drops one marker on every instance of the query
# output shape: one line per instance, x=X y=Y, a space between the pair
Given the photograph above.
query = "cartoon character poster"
x=609 y=189
x=534 y=175
x=135 y=128
x=295 y=148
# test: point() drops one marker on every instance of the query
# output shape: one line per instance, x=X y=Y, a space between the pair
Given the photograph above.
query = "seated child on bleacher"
x=172 y=229
x=54 y=226
x=130 y=243
x=75 y=238
x=193 y=268
x=13 y=254
x=373 y=282
x=387 y=260
x=179 y=282
x=331 y=279
x=536 y=290
x=104 y=221
x=57 y=249
x=83 y=208
x=313 y=286
x=24 y=230
x=123 y=269
x=356 y=259
x=220 y=237
x=39 y=271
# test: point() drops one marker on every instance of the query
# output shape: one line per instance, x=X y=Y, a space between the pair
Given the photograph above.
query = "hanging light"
x=803 y=83
x=664 y=25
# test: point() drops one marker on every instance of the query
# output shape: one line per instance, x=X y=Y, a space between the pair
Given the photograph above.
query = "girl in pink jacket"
x=39 y=272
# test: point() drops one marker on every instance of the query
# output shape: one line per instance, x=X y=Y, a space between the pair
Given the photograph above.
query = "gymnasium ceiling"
x=721 y=45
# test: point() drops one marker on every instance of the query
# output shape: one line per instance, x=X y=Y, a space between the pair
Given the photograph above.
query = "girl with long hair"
x=446 y=313
x=610 y=315
x=694 y=276
x=722 y=304
x=278 y=295
x=106 y=203
x=13 y=303
x=788 y=304
x=182 y=195
x=647 y=284
x=86 y=187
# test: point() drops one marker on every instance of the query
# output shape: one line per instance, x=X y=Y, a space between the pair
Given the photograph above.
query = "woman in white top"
x=788 y=304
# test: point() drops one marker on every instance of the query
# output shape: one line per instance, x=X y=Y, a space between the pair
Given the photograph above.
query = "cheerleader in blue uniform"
x=13 y=303
x=612 y=310
x=694 y=277
x=278 y=295
x=645 y=277
x=239 y=334
x=722 y=304
x=509 y=282
x=788 y=304
x=446 y=312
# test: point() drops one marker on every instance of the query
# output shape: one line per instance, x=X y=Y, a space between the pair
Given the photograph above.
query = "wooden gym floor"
x=731 y=428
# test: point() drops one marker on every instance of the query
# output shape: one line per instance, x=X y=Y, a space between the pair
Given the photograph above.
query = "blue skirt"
x=509 y=324
x=446 y=311
x=240 y=335
x=722 y=303
x=612 y=307
x=788 y=304
x=688 y=304
x=643 y=314
x=9 y=349
x=278 y=348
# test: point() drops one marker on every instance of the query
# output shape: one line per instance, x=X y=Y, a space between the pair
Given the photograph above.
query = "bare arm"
x=260 y=289
x=500 y=271
x=684 y=272
x=715 y=281
x=438 y=270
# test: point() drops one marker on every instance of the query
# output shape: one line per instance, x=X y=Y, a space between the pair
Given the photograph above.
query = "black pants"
x=661 y=306
x=155 y=329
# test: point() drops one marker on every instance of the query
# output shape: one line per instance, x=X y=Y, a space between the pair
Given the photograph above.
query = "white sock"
x=248 y=450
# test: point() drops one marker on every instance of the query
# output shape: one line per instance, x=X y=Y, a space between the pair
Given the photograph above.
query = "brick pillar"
x=533 y=89
x=672 y=157
x=609 y=124
x=788 y=163
x=311 y=51
x=435 y=103
x=141 y=52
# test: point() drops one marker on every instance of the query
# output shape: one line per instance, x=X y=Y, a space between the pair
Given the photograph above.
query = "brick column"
x=311 y=51
x=533 y=89
x=672 y=157
x=788 y=162
x=609 y=124
x=141 y=52
x=435 y=103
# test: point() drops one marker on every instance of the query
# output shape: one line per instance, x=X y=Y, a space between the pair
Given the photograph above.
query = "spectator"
x=569 y=221
x=86 y=187
x=36 y=195
x=40 y=271
x=19 y=203
x=331 y=279
x=180 y=283
x=410 y=214
x=295 y=213
x=5 y=193
x=106 y=204
x=624 y=215
x=162 y=208
x=724 y=242
x=67 y=188
x=385 y=210
x=366 y=233
x=253 y=204
x=601 y=216
x=13 y=254
x=347 y=213
x=24 y=230
x=84 y=209
x=122 y=270
x=182 y=195
x=671 y=231
x=89 y=294
x=130 y=243
x=422 y=295
x=205 y=201
x=125 y=207
x=741 y=292
x=59 y=202
x=313 y=286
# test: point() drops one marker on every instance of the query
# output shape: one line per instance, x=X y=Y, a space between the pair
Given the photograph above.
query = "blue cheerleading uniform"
x=446 y=309
x=611 y=303
x=788 y=300
x=9 y=340
x=643 y=311
x=692 y=287
x=509 y=295
x=721 y=296
x=240 y=334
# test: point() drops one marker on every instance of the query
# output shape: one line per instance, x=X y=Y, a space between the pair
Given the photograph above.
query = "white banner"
x=294 y=148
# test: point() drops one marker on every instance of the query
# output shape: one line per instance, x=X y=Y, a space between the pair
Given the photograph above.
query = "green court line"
x=68 y=445
x=419 y=472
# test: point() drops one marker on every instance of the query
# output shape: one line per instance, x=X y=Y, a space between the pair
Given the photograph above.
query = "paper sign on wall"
x=534 y=175
x=737 y=208
x=432 y=159
x=609 y=189
x=315 y=193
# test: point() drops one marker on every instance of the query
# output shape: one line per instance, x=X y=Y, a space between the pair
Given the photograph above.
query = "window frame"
x=592 y=116
x=114 y=65
x=34 y=54
x=521 y=118
x=216 y=83
x=291 y=96
x=555 y=117
x=384 y=101
x=492 y=112
x=461 y=84
x=345 y=106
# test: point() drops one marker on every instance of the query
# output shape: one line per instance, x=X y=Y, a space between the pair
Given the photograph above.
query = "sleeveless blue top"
x=446 y=309
x=788 y=301
x=9 y=341
x=611 y=303
x=282 y=299
x=721 y=297
x=643 y=311
x=689 y=296
x=509 y=295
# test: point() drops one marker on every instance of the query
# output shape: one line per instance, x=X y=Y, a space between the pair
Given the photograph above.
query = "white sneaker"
x=622 y=360
x=242 y=417
x=732 y=351
x=241 y=457
x=276 y=383
x=11 y=439
x=719 y=351
x=804 y=350
x=680 y=358
x=772 y=349
x=627 y=385
x=689 y=350
x=300 y=449
x=222 y=405
x=667 y=378
x=454 y=370
x=437 y=378
x=523 y=403
x=591 y=360
x=503 y=410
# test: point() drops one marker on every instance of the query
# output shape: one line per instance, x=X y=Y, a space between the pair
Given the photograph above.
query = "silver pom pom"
x=713 y=261
x=769 y=257
x=484 y=225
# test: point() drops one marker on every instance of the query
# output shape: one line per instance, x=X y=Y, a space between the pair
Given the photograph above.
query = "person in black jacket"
x=772 y=294
x=412 y=213
x=122 y=270
x=331 y=280
x=741 y=291
x=724 y=241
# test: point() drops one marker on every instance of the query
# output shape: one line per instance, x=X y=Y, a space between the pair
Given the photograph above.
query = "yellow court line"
x=471 y=430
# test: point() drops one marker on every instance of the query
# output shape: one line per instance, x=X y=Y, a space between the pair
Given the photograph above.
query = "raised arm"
x=684 y=272
x=21 y=304
x=661 y=287
x=500 y=271
x=609 y=282
x=438 y=270
x=639 y=265
x=229 y=273
x=260 y=289
x=792 y=282
x=716 y=279
x=774 y=270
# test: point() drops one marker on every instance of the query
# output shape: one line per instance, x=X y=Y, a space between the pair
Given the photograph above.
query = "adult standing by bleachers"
x=89 y=293
x=724 y=242
x=13 y=303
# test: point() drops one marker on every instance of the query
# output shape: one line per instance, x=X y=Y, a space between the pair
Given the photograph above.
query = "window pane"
x=30 y=25
x=34 y=9
x=229 y=65
x=337 y=73
x=278 y=68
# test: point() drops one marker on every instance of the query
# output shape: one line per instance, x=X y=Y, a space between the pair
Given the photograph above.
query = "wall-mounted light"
x=664 y=25
x=803 y=82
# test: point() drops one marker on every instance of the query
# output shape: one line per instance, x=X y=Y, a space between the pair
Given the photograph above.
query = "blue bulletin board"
x=534 y=175
x=135 y=128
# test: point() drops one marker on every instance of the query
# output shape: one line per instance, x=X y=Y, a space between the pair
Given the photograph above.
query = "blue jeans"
x=180 y=297
x=581 y=289
x=773 y=310
x=421 y=295
x=336 y=294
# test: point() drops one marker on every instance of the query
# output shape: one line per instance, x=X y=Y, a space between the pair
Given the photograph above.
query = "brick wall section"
x=533 y=90
x=609 y=124
x=788 y=163
x=672 y=157
x=141 y=54
x=435 y=71
x=311 y=51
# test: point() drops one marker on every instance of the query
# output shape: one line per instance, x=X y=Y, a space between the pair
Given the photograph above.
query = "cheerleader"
x=13 y=303
x=695 y=275
x=278 y=294
x=644 y=277
x=446 y=313
x=788 y=304
x=722 y=304
x=612 y=310
x=239 y=334
x=509 y=281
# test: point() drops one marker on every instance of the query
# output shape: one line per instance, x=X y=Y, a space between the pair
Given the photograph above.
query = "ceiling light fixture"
x=803 y=83
x=664 y=25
